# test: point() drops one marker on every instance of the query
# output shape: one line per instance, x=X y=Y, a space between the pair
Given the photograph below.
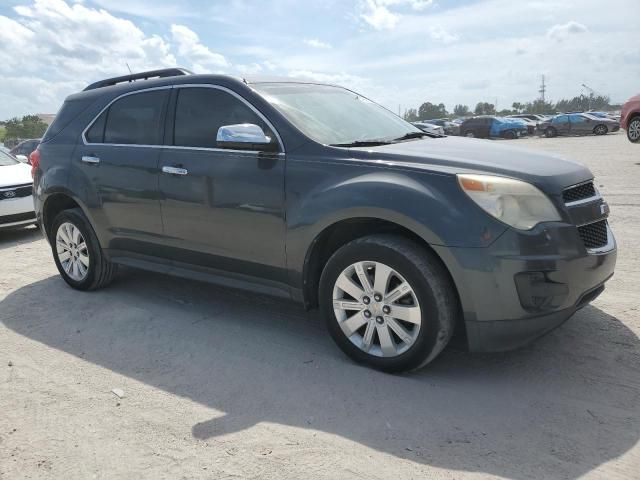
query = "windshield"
x=6 y=160
x=334 y=115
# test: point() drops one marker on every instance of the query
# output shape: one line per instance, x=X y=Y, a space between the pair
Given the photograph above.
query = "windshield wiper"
x=362 y=143
x=410 y=135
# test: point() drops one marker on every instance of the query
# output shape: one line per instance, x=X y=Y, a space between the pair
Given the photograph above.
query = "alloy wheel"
x=377 y=309
x=634 y=130
x=72 y=251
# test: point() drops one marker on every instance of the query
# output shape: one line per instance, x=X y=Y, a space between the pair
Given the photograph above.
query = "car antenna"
x=127 y=64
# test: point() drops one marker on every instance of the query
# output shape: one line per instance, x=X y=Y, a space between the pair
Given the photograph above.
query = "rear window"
x=136 y=119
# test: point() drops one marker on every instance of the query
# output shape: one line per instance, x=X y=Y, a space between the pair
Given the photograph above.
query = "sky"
x=400 y=53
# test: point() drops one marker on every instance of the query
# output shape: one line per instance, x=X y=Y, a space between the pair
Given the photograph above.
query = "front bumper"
x=16 y=211
x=526 y=283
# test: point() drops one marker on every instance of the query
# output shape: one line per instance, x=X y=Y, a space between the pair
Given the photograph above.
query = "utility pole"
x=542 y=91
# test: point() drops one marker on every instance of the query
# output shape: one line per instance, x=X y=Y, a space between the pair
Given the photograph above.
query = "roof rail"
x=163 y=73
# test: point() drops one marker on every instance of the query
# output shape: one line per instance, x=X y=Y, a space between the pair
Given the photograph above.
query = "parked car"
x=530 y=125
x=630 y=118
x=24 y=149
x=578 y=124
x=491 y=127
x=399 y=237
x=449 y=127
x=16 y=202
x=429 y=128
x=530 y=116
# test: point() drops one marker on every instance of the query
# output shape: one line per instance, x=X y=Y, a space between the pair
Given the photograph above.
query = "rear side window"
x=200 y=112
x=560 y=119
x=136 y=119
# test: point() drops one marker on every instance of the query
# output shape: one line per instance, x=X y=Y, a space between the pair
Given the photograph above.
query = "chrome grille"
x=579 y=192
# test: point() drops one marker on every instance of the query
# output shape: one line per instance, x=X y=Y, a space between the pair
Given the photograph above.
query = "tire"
x=601 y=130
x=633 y=130
x=469 y=134
x=430 y=289
x=99 y=272
x=510 y=134
x=550 y=132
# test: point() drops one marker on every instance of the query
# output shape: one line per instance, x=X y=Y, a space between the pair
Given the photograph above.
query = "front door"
x=119 y=158
x=221 y=208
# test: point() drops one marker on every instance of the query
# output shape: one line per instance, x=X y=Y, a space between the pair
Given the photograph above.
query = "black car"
x=315 y=193
x=492 y=127
x=24 y=149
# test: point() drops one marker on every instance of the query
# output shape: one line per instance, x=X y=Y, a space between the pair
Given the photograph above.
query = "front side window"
x=200 y=112
x=333 y=115
x=560 y=119
x=577 y=119
x=135 y=119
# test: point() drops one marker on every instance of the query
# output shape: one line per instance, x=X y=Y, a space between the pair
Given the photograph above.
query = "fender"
x=420 y=202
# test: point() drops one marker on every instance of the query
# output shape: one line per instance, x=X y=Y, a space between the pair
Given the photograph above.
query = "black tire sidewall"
x=429 y=329
x=550 y=132
x=77 y=218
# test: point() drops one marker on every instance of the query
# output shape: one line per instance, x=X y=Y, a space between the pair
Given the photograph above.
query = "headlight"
x=511 y=201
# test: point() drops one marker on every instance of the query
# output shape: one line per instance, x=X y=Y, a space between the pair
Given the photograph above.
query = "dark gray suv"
x=315 y=193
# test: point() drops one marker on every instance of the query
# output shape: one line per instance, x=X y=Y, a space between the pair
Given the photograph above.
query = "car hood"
x=551 y=173
x=12 y=175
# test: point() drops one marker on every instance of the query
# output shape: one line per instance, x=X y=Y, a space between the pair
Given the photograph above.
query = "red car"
x=630 y=118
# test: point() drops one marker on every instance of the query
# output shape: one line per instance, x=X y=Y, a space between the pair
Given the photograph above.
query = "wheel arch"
x=341 y=232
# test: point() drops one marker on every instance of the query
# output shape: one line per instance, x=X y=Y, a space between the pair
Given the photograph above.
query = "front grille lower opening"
x=594 y=235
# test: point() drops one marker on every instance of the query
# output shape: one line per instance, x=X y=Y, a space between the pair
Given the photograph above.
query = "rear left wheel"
x=388 y=303
x=77 y=253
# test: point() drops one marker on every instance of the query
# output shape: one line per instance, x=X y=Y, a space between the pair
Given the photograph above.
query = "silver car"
x=578 y=124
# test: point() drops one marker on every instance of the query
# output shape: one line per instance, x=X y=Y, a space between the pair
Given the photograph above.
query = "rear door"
x=225 y=208
x=561 y=124
x=118 y=158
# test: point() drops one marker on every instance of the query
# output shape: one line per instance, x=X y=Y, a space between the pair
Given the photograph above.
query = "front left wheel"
x=77 y=253
x=388 y=302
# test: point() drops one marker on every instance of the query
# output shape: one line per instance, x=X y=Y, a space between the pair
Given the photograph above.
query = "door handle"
x=175 y=170
x=90 y=159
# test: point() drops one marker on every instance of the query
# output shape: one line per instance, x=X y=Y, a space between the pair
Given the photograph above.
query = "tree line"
x=29 y=126
x=428 y=110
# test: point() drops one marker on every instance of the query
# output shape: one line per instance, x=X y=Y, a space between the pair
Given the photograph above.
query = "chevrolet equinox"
x=315 y=193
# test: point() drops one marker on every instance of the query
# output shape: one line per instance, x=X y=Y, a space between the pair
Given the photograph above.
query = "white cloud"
x=378 y=14
x=561 y=32
x=315 y=43
x=199 y=55
x=439 y=34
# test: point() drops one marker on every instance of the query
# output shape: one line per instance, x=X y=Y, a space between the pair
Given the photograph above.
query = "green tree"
x=517 y=107
x=485 y=108
x=461 y=110
x=30 y=126
x=411 y=115
x=430 y=110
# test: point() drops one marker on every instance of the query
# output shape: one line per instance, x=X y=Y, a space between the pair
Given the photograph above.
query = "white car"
x=429 y=128
x=16 y=199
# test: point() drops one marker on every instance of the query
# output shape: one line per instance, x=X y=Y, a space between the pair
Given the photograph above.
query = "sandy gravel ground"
x=217 y=385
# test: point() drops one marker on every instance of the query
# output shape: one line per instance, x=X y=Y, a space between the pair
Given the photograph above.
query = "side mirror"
x=244 y=136
x=22 y=158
